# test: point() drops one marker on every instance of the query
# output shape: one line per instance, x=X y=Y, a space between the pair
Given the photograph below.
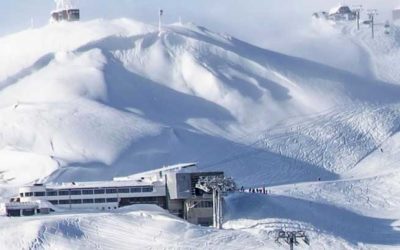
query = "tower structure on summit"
x=65 y=11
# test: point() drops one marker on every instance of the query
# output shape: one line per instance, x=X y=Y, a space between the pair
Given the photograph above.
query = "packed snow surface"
x=94 y=100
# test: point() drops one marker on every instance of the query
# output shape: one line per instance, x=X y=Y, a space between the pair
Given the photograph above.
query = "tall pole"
x=291 y=244
x=358 y=9
x=372 y=26
x=219 y=198
x=372 y=13
x=214 y=195
x=217 y=208
x=221 y=217
x=161 y=12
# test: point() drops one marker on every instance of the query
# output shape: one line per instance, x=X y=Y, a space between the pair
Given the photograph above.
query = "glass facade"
x=51 y=193
x=100 y=200
x=76 y=192
x=99 y=191
x=87 y=191
x=63 y=192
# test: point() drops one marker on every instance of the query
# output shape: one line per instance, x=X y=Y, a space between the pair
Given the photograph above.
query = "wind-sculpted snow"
x=98 y=87
x=339 y=139
x=383 y=50
x=139 y=227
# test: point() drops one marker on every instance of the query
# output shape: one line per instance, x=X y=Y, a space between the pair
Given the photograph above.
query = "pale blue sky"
x=243 y=18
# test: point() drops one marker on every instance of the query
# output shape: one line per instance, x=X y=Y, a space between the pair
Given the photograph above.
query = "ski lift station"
x=174 y=188
x=342 y=13
x=338 y=13
x=65 y=11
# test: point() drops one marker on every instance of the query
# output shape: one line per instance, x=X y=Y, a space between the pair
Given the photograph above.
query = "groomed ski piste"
x=94 y=100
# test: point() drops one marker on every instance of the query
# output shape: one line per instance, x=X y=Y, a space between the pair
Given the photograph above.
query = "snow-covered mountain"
x=98 y=99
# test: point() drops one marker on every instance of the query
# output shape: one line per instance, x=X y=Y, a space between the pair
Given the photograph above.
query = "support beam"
x=217 y=185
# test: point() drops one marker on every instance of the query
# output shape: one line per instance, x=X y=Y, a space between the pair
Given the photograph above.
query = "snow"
x=138 y=227
x=93 y=100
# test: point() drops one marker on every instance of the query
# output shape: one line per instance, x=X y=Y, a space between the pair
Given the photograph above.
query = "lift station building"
x=172 y=188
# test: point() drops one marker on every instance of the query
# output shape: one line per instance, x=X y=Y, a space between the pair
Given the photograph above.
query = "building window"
x=76 y=201
x=149 y=198
x=54 y=202
x=51 y=193
x=28 y=194
x=63 y=202
x=76 y=192
x=63 y=192
x=21 y=194
x=99 y=191
x=100 y=200
x=28 y=212
x=87 y=191
x=39 y=194
x=147 y=189
x=111 y=191
x=112 y=200
x=123 y=190
x=136 y=190
x=87 y=201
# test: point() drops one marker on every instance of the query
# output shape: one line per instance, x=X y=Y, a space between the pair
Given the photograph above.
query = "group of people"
x=262 y=190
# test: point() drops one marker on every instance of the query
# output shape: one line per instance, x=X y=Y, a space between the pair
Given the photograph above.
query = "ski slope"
x=105 y=98
x=384 y=49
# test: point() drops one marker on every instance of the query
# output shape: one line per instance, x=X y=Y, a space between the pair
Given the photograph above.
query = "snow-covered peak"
x=94 y=100
x=110 y=98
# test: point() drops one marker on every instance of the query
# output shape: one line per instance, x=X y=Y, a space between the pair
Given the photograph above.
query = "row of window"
x=83 y=201
x=140 y=199
x=124 y=190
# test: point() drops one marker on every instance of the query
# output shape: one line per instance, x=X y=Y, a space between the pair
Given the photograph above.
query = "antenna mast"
x=358 y=9
x=161 y=12
x=371 y=14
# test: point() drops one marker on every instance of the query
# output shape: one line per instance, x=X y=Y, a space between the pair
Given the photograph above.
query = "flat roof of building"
x=176 y=167
x=98 y=184
x=139 y=179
